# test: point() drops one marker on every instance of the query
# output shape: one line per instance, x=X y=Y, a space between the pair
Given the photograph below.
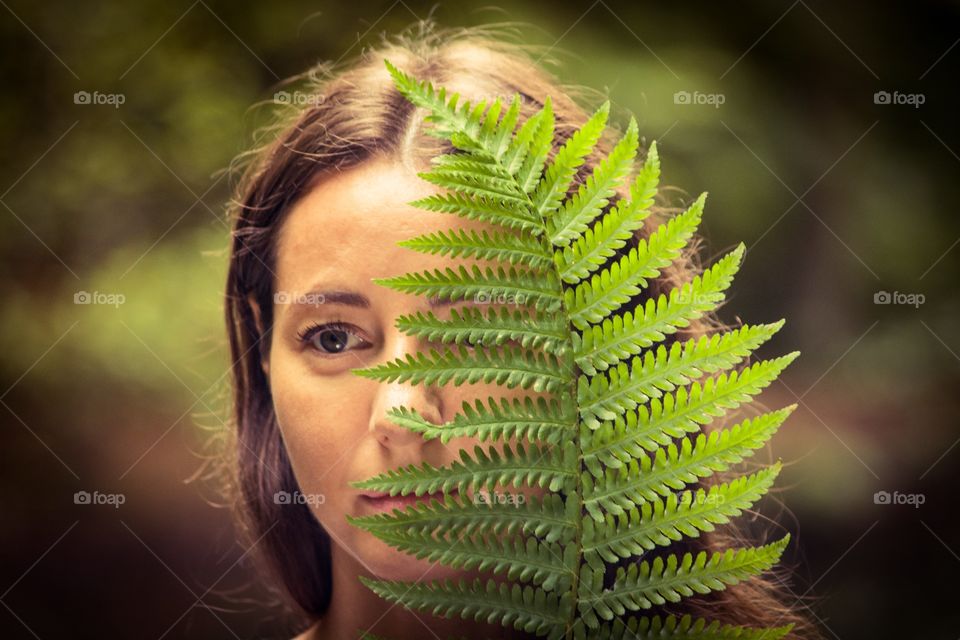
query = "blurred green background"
x=838 y=193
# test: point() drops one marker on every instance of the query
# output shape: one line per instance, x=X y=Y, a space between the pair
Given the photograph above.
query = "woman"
x=317 y=218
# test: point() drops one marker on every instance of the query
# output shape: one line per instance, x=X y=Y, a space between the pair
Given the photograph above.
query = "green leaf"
x=526 y=608
x=544 y=467
x=591 y=302
x=508 y=366
x=610 y=233
x=536 y=420
x=615 y=455
x=620 y=337
x=549 y=518
x=648 y=584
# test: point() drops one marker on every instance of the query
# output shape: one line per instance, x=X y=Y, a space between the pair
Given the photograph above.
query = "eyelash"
x=307 y=334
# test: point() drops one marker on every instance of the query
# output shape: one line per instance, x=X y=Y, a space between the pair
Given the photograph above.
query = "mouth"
x=379 y=501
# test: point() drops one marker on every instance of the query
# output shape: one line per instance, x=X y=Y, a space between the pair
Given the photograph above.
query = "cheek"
x=320 y=419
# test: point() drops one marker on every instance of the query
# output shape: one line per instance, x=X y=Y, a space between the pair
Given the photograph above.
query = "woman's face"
x=331 y=318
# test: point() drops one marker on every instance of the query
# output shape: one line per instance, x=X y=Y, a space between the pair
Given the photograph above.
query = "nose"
x=424 y=399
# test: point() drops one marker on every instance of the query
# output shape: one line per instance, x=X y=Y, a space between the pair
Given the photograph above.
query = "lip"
x=381 y=502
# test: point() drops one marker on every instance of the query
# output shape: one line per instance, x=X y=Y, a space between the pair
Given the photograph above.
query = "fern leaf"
x=591 y=302
x=620 y=337
x=522 y=559
x=549 y=518
x=525 y=608
x=675 y=414
x=535 y=420
x=517 y=286
x=647 y=584
x=498 y=246
x=556 y=181
x=533 y=465
x=480 y=209
x=506 y=365
x=610 y=233
x=594 y=194
x=662 y=521
x=500 y=324
x=527 y=155
x=606 y=395
x=672 y=467
x=613 y=459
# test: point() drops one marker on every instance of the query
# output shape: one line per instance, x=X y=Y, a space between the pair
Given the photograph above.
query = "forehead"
x=346 y=228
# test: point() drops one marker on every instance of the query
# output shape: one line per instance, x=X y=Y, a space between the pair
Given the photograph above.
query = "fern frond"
x=498 y=246
x=520 y=285
x=672 y=467
x=536 y=420
x=591 y=302
x=556 y=181
x=532 y=465
x=506 y=365
x=610 y=233
x=661 y=521
x=526 y=608
x=621 y=388
x=500 y=324
x=647 y=584
x=618 y=442
x=549 y=518
x=594 y=194
x=482 y=210
x=517 y=558
x=614 y=458
x=529 y=151
x=622 y=336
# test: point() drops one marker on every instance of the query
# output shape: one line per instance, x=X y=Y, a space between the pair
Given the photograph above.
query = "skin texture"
x=339 y=236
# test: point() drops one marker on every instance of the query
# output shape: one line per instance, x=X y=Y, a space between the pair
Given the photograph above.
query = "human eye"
x=332 y=338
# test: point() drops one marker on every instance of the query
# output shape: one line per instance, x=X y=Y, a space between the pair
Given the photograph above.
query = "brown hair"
x=354 y=113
